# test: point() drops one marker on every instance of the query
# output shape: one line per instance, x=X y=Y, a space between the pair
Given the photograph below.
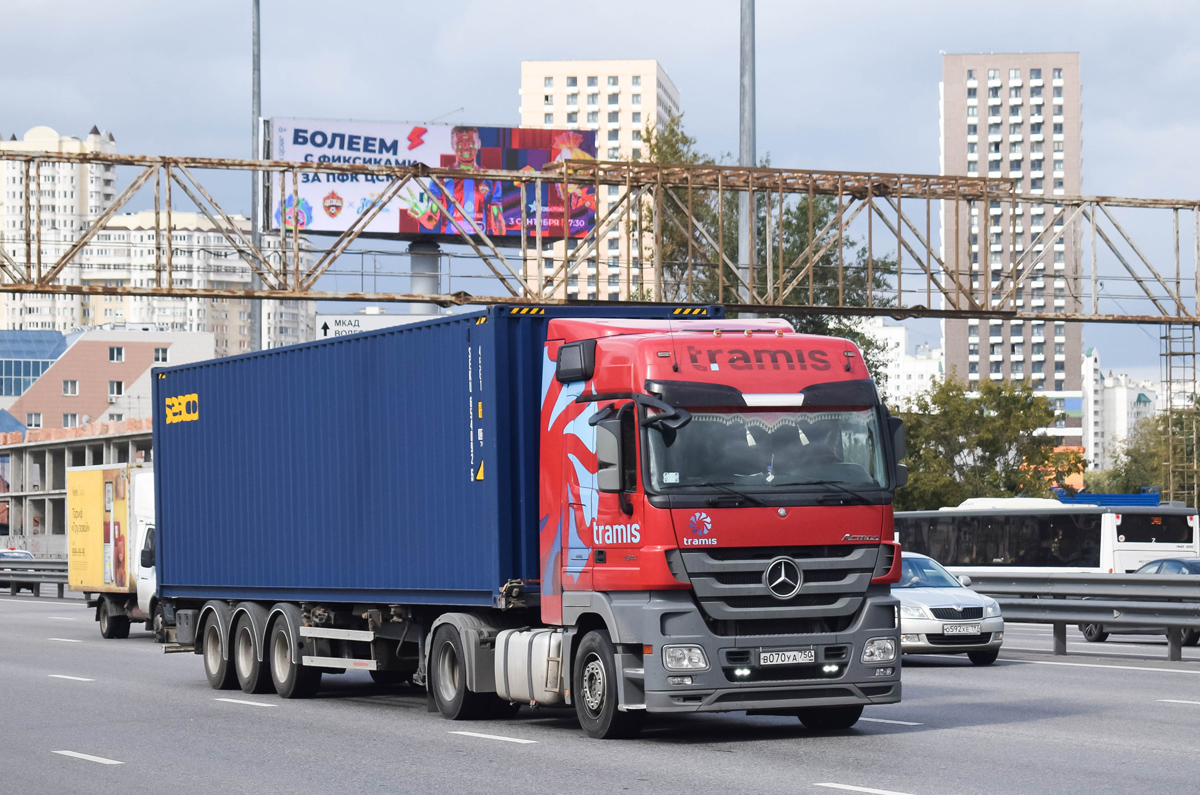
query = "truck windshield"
x=768 y=451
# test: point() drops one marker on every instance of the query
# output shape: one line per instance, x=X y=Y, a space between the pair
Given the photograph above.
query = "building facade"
x=104 y=376
x=619 y=100
x=908 y=374
x=1018 y=117
x=63 y=198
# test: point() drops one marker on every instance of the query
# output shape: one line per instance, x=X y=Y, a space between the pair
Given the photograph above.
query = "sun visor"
x=695 y=393
x=842 y=393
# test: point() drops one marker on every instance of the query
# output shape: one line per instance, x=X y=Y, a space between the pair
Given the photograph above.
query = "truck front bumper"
x=737 y=676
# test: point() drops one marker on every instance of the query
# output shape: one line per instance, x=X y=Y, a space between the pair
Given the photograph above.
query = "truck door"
x=579 y=477
x=618 y=530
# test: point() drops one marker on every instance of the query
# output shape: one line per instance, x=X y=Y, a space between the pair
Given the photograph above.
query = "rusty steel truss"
x=890 y=217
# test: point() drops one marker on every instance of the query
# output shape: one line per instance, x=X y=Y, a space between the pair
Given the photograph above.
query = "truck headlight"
x=879 y=650
x=991 y=609
x=912 y=611
x=684 y=658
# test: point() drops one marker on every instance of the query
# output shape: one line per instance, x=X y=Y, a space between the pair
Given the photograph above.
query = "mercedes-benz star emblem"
x=782 y=578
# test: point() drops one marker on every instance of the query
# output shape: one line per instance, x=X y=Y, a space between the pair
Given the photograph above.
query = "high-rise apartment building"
x=65 y=198
x=618 y=100
x=62 y=198
x=1018 y=117
x=122 y=254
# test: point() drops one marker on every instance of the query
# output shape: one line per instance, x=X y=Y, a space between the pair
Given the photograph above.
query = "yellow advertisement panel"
x=98 y=531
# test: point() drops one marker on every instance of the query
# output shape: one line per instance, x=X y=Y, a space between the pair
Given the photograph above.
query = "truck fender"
x=223 y=615
x=478 y=635
x=291 y=614
x=258 y=616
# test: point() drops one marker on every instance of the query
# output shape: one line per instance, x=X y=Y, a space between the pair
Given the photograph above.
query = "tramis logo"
x=700 y=525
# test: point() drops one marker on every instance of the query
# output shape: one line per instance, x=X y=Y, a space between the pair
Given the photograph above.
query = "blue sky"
x=840 y=85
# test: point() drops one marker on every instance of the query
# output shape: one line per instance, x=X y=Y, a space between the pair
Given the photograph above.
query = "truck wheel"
x=983 y=656
x=1191 y=637
x=291 y=679
x=448 y=679
x=220 y=673
x=252 y=675
x=112 y=625
x=158 y=624
x=1094 y=633
x=830 y=718
x=595 y=684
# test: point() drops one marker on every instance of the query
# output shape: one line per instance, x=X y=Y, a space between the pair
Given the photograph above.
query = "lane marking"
x=852 y=788
x=1118 y=667
x=243 y=701
x=88 y=757
x=1130 y=653
x=72 y=678
x=61 y=618
x=65 y=640
x=1174 y=701
x=896 y=722
x=496 y=737
x=47 y=602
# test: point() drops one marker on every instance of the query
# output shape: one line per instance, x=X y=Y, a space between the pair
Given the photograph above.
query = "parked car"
x=14 y=554
x=939 y=614
x=1098 y=633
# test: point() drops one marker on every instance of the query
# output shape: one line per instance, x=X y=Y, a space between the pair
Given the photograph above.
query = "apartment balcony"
x=972 y=83
x=995 y=138
x=1015 y=82
x=1037 y=303
x=996 y=376
x=1038 y=83
x=1037 y=136
x=994 y=101
x=1057 y=82
x=994 y=119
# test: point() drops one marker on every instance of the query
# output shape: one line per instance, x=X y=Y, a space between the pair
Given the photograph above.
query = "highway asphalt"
x=79 y=714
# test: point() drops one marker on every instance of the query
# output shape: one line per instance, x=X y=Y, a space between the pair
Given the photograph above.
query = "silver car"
x=940 y=615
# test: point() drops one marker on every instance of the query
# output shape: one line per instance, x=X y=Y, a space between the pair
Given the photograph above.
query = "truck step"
x=341 y=662
x=337 y=634
x=176 y=648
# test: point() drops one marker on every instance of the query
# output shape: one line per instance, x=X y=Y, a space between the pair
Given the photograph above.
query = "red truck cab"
x=716 y=494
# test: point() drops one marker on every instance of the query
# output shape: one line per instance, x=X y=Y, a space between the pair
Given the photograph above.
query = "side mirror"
x=896 y=426
x=901 y=476
x=964 y=580
x=608 y=454
x=148 y=558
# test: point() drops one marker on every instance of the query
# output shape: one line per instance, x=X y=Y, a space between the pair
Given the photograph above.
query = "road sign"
x=329 y=326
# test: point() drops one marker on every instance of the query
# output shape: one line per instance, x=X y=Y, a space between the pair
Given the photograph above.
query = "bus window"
x=1147 y=528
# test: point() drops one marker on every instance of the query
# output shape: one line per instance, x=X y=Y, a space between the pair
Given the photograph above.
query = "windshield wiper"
x=836 y=484
x=725 y=488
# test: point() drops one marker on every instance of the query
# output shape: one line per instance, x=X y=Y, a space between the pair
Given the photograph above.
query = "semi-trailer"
x=618 y=510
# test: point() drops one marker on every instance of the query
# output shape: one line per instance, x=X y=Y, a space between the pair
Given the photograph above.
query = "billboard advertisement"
x=330 y=203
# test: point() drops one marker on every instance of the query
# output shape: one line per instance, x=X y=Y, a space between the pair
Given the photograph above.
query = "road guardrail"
x=1171 y=602
x=31 y=574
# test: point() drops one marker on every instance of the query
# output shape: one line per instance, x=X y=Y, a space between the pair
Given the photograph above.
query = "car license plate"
x=960 y=629
x=787 y=657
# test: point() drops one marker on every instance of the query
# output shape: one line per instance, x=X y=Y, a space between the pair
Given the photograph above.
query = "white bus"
x=1034 y=535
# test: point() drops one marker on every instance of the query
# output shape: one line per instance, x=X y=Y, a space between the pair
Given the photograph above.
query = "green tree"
x=1138 y=463
x=984 y=446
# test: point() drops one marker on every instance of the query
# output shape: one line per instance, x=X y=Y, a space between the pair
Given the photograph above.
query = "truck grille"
x=950 y=614
x=728 y=582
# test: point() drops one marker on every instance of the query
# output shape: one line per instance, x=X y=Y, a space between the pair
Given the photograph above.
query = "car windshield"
x=924 y=573
x=15 y=554
x=1192 y=566
x=768 y=450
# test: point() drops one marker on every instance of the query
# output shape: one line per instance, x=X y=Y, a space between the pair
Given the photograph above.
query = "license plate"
x=960 y=629
x=787 y=657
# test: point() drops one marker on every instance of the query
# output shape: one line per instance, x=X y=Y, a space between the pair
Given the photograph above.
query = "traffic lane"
x=156 y=713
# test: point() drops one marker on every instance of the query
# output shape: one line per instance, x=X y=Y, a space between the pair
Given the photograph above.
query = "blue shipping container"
x=399 y=465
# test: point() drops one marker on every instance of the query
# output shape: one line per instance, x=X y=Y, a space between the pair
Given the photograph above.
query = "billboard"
x=330 y=203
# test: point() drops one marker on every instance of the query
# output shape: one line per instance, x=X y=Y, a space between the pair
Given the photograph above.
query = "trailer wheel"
x=291 y=679
x=830 y=718
x=220 y=673
x=252 y=675
x=111 y=625
x=594 y=688
x=448 y=679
